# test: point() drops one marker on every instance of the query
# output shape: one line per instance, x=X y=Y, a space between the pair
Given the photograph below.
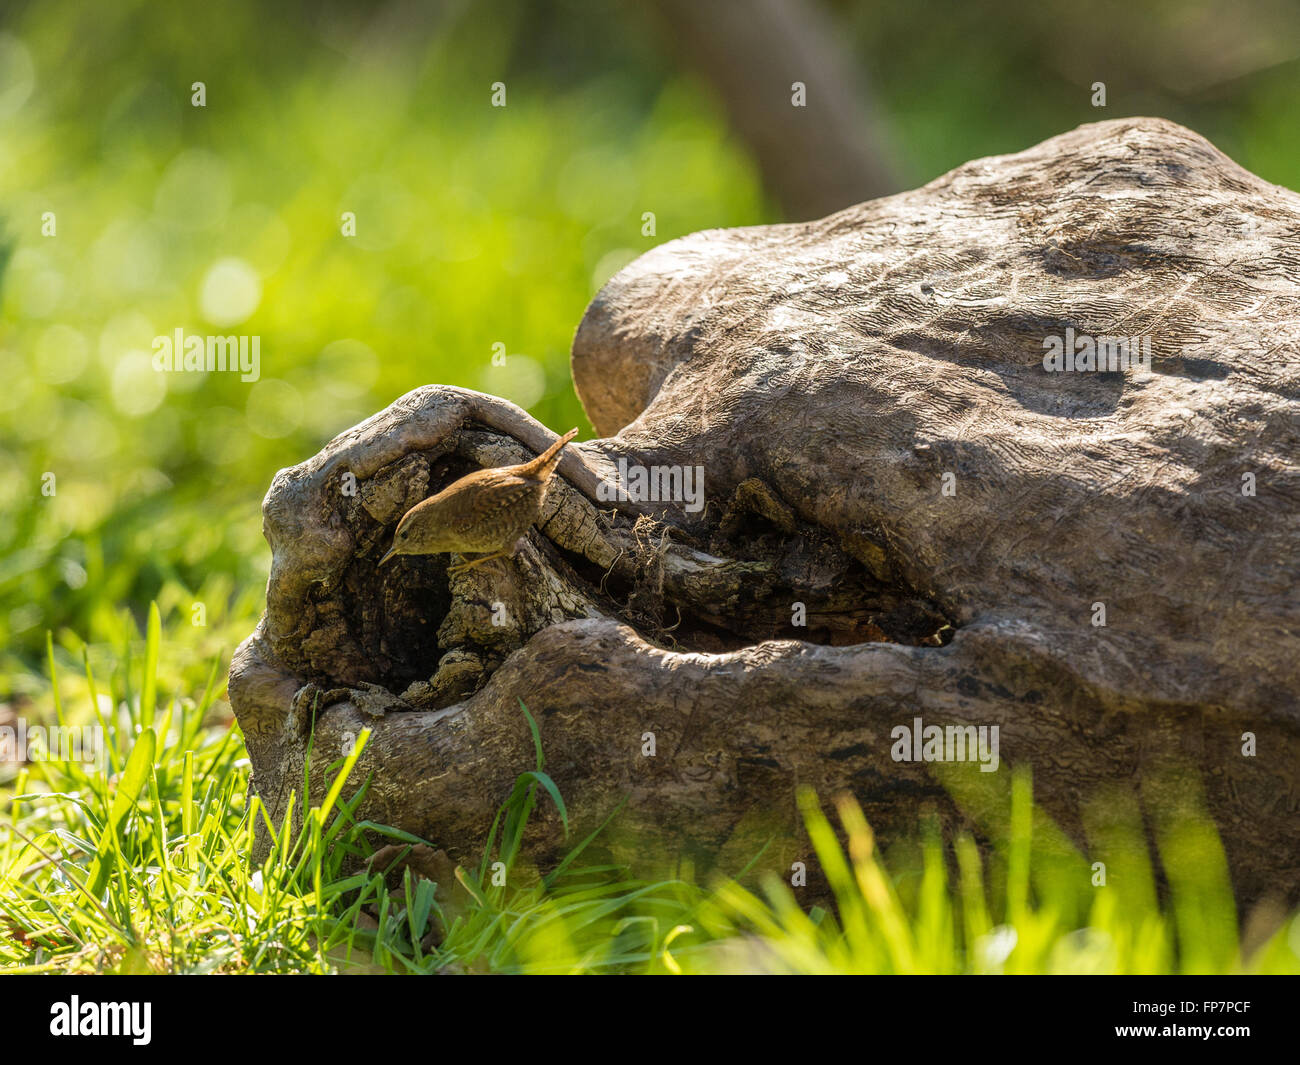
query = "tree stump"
x=904 y=515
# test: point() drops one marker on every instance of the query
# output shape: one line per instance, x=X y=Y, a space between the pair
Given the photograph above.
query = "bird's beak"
x=391 y=553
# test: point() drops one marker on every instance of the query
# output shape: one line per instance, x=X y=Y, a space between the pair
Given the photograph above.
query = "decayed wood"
x=826 y=377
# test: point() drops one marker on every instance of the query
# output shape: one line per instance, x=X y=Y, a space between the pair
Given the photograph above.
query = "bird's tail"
x=544 y=465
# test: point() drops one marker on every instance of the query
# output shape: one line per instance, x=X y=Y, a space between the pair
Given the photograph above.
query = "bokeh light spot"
x=230 y=292
x=522 y=380
x=137 y=388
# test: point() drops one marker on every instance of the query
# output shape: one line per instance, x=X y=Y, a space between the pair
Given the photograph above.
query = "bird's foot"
x=460 y=567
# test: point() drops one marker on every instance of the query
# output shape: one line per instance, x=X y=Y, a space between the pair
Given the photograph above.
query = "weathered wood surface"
x=826 y=376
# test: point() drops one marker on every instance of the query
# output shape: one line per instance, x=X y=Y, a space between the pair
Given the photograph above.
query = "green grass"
x=146 y=867
x=476 y=226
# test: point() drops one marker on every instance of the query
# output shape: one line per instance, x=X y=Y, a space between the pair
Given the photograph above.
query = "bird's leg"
x=508 y=552
x=462 y=566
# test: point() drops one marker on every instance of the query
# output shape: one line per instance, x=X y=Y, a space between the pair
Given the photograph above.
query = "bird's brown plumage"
x=485 y=512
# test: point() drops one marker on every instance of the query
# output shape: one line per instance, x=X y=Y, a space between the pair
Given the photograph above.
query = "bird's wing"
x=501 y=494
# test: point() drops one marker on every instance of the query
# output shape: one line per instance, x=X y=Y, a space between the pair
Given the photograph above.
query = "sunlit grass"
x=145 y=865
x=474 y=226
x=958 y=923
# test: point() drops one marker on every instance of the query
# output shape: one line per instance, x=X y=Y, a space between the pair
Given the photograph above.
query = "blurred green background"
x=475 y=225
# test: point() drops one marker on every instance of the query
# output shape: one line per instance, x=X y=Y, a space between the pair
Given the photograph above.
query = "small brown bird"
x=485 y=511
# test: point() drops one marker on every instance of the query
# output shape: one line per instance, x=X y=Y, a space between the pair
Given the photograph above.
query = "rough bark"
x=826 y=376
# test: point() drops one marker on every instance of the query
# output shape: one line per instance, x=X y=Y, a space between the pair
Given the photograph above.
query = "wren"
x=486 y=512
